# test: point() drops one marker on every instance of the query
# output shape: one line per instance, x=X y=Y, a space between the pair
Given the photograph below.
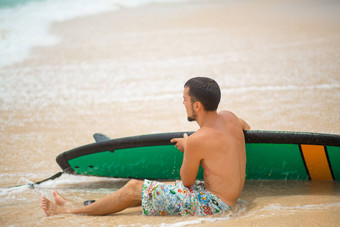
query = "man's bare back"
x=219 y=147
x=224 y=158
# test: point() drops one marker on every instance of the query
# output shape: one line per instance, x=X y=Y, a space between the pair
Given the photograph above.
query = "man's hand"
x=180 y=142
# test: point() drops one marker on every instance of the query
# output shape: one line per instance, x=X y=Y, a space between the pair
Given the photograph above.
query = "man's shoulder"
x=203 y=135
x=197 y=136
x=227 y=114
x=198 y=141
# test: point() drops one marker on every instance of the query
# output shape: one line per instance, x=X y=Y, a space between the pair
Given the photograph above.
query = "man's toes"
x=44 y=205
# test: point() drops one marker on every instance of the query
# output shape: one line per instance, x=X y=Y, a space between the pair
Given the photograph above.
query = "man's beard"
x=191 y=119
x=194 y=116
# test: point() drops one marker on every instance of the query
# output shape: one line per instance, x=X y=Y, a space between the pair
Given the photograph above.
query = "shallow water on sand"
x=122 y=72
x=261 y=203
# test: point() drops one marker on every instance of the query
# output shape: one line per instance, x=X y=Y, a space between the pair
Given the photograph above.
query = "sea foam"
x=27 y=25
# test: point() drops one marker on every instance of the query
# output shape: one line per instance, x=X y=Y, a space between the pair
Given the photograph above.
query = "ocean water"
x=25 y=23
x=69 y=69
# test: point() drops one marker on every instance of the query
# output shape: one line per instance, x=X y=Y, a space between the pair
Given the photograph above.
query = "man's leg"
x=128 y=196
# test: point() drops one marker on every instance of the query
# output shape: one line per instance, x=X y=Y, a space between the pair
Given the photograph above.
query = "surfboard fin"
x=99 y=137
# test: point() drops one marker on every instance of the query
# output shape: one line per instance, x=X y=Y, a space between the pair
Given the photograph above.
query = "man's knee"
x=135 y=185
x=134 y=189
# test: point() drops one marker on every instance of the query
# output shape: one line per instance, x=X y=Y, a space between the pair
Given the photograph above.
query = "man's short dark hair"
x=204 y=90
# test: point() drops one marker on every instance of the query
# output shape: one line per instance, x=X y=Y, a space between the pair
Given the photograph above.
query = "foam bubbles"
x=237 y=210
x=27 y=25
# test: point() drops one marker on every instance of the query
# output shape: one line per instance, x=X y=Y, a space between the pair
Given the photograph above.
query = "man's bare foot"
x=58 y=199
x=51 y=208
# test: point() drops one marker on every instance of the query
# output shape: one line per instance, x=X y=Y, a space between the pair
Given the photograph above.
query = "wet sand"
x=122 y=73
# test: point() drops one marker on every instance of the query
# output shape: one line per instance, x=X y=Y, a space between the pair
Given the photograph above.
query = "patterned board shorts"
x=162 y=199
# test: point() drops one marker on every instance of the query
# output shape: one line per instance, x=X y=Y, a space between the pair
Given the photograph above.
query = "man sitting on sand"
x=218 y=145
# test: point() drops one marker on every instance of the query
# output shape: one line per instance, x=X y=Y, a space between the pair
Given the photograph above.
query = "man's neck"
x=206 y=117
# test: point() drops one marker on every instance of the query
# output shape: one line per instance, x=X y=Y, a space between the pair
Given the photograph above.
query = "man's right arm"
x=244 y=124
x=227 y=114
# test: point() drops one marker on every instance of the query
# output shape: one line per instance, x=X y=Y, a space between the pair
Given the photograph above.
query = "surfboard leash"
x=55 y=176
x=32 y=185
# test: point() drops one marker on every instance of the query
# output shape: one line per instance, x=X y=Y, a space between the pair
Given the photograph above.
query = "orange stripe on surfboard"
x=316 y=162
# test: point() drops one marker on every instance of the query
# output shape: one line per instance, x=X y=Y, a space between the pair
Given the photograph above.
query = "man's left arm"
x=191 y=162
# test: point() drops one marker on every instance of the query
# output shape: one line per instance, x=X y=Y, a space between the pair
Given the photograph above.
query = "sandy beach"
x=122 y=72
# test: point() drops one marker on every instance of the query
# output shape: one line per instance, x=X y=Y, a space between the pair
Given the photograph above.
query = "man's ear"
x=198 y=106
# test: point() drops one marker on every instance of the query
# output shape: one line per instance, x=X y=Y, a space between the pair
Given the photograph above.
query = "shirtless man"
x=218 y=145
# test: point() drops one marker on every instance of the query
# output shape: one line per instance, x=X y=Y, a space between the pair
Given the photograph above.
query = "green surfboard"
x=271 y=155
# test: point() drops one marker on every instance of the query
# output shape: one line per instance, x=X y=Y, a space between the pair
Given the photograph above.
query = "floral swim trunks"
x=163 y=199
